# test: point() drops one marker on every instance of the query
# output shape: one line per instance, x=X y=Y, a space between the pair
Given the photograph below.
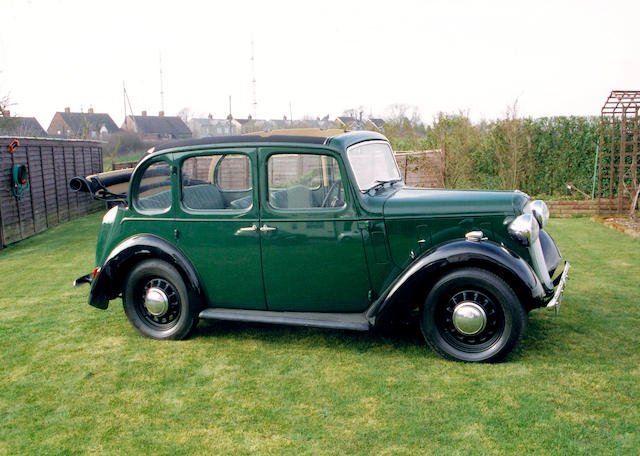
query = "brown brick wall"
x=582 y=207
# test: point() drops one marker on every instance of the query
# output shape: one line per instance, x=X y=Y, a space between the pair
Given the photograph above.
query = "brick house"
x=205 y=127
x=153 y=128
x=85 y=125
x=20 y=126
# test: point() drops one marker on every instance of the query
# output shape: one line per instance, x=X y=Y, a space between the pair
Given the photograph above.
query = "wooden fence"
x=421 y=168
x=123 y=165
x=48 y=201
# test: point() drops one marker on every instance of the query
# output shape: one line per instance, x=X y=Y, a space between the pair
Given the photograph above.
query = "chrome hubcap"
x=156 y=302
x=469 y=318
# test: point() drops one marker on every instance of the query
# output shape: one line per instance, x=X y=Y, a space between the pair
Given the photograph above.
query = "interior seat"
x=298 y=197
x=205 y=196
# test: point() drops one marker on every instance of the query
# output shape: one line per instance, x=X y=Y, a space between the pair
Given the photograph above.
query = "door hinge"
x=363 y=224
x=176 y=233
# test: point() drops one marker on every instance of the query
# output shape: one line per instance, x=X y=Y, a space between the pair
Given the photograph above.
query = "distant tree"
x=459 y=141
x=510 y=142
x=123 y=143
x=404 y=127
x=353 y=112
x=6 y=122
x=186 y=114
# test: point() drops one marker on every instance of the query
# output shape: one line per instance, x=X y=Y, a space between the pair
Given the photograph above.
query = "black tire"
x=180 y=317
x=505 y=317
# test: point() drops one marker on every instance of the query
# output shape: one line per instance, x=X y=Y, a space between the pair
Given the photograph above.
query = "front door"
x=312 y=251
x=217 y=224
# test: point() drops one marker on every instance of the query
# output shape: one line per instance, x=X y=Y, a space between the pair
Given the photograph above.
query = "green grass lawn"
x=78 y=380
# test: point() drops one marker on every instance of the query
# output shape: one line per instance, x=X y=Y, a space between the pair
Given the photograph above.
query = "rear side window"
x=154 y=189
x=217 y=182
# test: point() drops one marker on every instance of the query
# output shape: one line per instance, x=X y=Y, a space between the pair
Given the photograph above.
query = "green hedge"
x=563 y=149
x=538 y=156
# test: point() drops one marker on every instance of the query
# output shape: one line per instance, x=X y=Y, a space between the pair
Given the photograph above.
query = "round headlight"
x=525 y=229
x=540 y=212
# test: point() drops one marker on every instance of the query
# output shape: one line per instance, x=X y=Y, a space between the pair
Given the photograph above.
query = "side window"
x=304 y=181
x=154 y=189
x=217 y=182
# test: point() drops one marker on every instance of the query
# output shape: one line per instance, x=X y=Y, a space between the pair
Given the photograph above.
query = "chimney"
x=210 y=116
x=161 y=114
x=144 y=113
x=7 y=113
x=90 y=110
x=67 y=109
x=249 y=117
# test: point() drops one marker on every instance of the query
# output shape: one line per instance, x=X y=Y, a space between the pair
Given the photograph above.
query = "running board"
x=351 y=321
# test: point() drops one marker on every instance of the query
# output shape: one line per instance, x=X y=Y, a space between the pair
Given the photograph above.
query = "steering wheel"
x=327 y=201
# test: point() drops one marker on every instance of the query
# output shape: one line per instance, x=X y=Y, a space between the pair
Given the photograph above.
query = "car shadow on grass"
x=544 y=337
x=401 y=337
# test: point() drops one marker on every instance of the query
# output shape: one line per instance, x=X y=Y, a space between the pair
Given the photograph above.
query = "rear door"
x=217 y=224
x=312 y=251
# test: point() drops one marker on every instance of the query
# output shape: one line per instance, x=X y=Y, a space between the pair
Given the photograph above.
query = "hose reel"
x=19 y=180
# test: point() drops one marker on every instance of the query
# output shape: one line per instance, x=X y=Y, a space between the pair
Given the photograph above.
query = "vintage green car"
x=320 y=230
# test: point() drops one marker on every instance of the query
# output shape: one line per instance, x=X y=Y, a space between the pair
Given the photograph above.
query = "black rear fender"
x=409 y=290
x=109 y=283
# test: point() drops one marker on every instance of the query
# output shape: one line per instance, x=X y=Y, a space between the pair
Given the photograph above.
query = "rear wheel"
x=156 y=302
x=472 y=315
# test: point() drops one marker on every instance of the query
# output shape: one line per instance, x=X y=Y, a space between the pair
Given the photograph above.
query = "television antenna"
x=161 y=87
x=253 y=82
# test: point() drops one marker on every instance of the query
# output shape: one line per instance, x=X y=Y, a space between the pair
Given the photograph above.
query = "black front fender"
x=426 y=269
x=109 y=282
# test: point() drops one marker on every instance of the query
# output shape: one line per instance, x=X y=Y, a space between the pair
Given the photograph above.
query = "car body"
x=321 y=231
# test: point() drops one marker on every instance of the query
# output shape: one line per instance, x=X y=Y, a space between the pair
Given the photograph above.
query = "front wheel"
x=472 y=315
x=156 y=302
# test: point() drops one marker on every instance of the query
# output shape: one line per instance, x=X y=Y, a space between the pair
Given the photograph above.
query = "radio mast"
x=161 y=87
x=253 y=73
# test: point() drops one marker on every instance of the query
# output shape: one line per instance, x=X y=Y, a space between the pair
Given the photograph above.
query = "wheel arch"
x=409 y=290
x=109 y=283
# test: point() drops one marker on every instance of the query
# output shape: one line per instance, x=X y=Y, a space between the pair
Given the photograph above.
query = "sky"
x=317 y=58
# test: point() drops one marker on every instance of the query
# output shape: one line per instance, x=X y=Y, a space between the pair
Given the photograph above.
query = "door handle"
x=247 y=229
x=265 y=228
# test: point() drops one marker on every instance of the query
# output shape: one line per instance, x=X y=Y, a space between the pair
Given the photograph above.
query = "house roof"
x=79 y=121
x=161 y=125
x=346 y=119
x=377 y=122
x=22 y=126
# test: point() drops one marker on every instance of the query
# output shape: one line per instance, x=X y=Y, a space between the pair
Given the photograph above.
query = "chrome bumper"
x=557 y=296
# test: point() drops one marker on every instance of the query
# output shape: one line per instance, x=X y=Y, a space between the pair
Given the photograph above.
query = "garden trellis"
x=619 y=159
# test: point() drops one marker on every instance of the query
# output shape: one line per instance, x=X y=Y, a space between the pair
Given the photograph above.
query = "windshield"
x=373 y=163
